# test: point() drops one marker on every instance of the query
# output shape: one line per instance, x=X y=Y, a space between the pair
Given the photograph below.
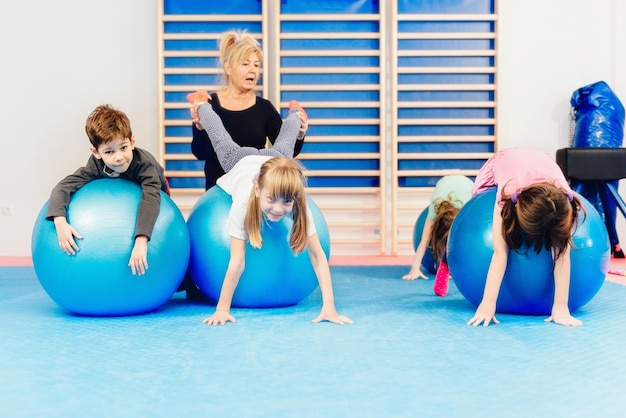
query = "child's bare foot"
x=200 y=96
x=295 y=105
x=304 y=119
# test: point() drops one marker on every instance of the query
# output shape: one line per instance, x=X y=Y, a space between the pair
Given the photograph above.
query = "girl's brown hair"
x=283 y=178
x=445 y=211
x=541 y=216
x=235 y=46
x=105 y=123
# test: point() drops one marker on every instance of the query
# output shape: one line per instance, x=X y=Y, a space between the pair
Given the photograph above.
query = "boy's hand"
x=66 y=234
x=139 y=257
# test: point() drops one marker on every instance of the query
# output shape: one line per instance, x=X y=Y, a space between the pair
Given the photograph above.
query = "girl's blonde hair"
x=235 y=47
x=540 y=216
x=446 y=211
x=283 y=178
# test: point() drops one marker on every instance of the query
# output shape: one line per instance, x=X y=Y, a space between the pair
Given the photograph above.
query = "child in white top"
x=266 y=185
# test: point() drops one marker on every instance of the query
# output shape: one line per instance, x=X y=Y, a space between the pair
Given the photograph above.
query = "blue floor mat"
x=408 y=353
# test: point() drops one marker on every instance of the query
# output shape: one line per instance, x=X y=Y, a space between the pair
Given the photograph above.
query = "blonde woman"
x=250 y=120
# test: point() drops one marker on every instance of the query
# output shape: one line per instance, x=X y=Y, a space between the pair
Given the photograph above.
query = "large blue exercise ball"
x=273 y=275
x=528 y=284
x=428 y=261
x=97 y=281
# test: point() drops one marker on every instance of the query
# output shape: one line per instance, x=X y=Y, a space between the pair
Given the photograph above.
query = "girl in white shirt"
x=266 y=185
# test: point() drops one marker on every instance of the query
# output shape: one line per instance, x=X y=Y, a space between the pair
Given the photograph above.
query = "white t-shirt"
x=238 y=183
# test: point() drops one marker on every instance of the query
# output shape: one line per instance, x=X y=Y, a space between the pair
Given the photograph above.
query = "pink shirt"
x=514 y=169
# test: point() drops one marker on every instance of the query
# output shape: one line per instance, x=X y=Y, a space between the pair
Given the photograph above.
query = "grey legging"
x=229 y=152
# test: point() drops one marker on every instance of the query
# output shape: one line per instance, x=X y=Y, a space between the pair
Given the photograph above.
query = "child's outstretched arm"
x=416 y=271
x=560 y=310
x=149 y=209
x=322 y=271
x=60 y=200
x=486 y=311
x=235 y=268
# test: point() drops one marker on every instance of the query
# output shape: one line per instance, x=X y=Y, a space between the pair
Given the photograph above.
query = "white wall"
x=60 y=59
x=547 y=50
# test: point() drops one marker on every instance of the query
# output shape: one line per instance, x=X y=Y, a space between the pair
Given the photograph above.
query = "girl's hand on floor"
x=561 y=316
x=331 y=315
x=411 y=275
x=219 y=318
x=485 y=313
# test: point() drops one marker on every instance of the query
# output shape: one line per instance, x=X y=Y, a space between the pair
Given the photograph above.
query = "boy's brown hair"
x=105 y=124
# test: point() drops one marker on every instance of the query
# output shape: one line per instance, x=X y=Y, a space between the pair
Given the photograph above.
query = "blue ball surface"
x=97 y=281
x=428 y=261
x=273 y=275
x=528 y=284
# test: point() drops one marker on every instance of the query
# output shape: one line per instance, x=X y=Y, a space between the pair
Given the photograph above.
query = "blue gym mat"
x=408 y=354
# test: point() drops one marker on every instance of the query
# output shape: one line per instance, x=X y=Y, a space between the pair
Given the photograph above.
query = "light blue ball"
x=273 y=275
x=528 y=284
x=429 y=264
x=97 y=281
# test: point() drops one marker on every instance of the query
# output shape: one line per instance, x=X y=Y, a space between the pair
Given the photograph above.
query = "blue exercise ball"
x=429 y=264
x=97 y=281
x=528 y=284
x=273 y=275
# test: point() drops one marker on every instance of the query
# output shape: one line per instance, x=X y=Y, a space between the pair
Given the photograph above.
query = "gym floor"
x=409 y=353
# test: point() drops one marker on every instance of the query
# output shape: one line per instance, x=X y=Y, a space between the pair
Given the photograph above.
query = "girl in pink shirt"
x=535 y=208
